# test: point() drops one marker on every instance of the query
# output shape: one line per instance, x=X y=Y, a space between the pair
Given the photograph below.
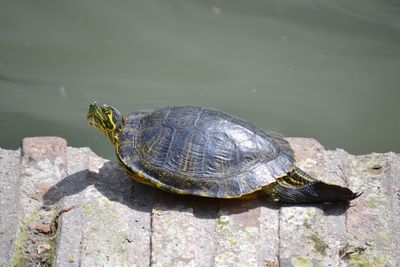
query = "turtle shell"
x=201 y=151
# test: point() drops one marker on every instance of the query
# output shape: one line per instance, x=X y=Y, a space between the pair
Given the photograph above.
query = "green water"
x=325 y=69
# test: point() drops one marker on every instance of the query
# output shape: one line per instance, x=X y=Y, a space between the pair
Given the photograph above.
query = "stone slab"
x=110 y=222
x=313 y=235
x=9 y=195
x=115 y=221
x=373 y=223
x=43 y=164
x=238 y=233
x=173 y=236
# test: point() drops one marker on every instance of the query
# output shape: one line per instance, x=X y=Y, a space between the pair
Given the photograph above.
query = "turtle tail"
x=299 y=187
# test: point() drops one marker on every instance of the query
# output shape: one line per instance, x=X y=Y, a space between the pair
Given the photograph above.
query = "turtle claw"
x=356 y=195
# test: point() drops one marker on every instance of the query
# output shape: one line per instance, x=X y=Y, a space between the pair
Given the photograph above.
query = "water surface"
x=329 y=70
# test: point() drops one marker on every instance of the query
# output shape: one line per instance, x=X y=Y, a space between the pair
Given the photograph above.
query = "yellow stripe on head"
x=107 y=119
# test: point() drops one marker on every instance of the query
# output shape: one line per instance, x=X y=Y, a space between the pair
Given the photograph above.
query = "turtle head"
x=107 y=119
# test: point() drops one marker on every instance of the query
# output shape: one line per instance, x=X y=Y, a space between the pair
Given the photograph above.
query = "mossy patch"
x=238 y=244
x=19 y=258
x=319 y=244
x=301 y=261
x=22 y=238
x=310 y=213
x=27 y=251
x=359 y=261
x=357 y=256
x=372 y=203
x=89 y=209
x=223 y=221
x=233 y=242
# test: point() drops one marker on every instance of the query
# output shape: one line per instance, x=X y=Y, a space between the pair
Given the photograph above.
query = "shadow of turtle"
x=113 y=183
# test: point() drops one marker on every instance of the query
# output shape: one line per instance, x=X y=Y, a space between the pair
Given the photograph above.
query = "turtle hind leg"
x=299 y=187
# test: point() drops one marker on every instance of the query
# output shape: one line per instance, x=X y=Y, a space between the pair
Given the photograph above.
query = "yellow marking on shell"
x=186 y=160
x=180 y=192
x=191 y=166
x=187 y=156
x=158 y=185
x=150 y=148
x=137 y=176
x=251 y=195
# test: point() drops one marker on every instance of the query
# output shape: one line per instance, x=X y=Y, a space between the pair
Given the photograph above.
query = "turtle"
x=201 y=151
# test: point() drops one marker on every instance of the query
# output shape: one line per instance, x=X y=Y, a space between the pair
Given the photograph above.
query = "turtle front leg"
x=299 y=187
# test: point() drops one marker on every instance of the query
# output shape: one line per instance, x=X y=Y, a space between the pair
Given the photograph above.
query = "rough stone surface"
x=43 y=164
x=107 y=219
x=313 y=234
x=373 y=225
x=171 y=245
x=110 y=222
x=9 y=193
x=238 y=233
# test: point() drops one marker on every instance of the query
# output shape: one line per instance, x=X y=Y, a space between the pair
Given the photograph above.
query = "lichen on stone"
x=319 y=244
x=238 y=243
x=301 y=261
x=27 y=250
x=89 y=209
